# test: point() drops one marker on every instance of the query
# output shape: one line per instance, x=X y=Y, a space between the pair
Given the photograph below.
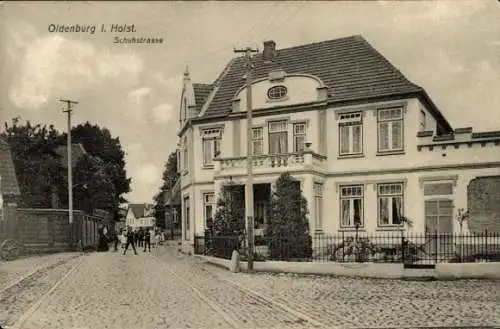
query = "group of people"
x=141 y=238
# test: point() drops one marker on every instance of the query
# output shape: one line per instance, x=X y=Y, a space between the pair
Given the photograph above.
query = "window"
x=211 y=145
x=277 y=92
x=208 y=207
x=351 y=205
x=390 y=204
x=185 y=157
x=351 y=133
x=187 y=223
x=318 y=205
x=438 y=215
x=299 y=136
x=422 y=120
x=260 y=215
x=390 y=129
x=278 y=137
x=178 y=155
x=257 y=141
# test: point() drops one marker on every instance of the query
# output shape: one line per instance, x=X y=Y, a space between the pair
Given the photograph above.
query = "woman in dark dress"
x=103 y=240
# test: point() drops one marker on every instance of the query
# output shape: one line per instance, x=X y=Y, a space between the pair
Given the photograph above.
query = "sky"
x=451 y=48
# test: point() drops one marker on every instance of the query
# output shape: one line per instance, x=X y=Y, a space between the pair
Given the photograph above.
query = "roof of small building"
x=139 y=209
x=349 y=67
x=77 y=151
x=201 y=93
x=8 y=182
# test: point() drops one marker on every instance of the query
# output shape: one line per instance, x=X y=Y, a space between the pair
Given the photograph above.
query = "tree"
x=223 y=233
x=99 y=143
x=37 y=170
x=93 y=188
x=169 y=178
x=229 y=218
x=288 y=228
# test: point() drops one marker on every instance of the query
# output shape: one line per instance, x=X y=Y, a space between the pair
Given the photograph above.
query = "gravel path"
x=171 y=290
x=16 y=300
x=114 y=291
x=13 y=270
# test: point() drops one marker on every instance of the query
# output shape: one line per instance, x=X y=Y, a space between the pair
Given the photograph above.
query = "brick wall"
x=483 y=201
x=48 y=230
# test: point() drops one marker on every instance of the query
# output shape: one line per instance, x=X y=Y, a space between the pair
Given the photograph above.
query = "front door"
x=439 y=227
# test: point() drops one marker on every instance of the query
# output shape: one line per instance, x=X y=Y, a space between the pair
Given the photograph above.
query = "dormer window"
x=277 y=92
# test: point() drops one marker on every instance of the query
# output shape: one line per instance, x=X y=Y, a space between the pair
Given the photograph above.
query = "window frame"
x=211 y=141
x=185 y=155
x=282 y=131
x=390 y=124
x=187 y=219
x=351 y=120
x=422 y=120
x=351 y=199
x=208 y=203
x=258 y=139
x=390 y=197
x=318 y=193
x=270 y=92
x=296 y=134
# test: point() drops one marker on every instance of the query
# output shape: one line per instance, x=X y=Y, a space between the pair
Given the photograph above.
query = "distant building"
x=140 y=215
x=367 y=146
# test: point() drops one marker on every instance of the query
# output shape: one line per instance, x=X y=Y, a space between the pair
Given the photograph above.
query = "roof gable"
x=349 y=67
x=139 y=209
x=8 y=178
x=201 y=93
x=77 y=151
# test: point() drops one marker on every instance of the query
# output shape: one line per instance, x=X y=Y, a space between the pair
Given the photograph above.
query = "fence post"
x=402 y=247
x=486 y=242
x=343 y=246
x=436 y=245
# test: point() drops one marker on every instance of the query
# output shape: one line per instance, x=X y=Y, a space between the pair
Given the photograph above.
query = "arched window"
x=277 y=92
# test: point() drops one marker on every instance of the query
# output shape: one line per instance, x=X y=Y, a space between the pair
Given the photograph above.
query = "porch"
x=271 y=163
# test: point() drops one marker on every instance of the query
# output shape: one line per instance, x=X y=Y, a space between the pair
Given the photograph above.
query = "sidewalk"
x=13 y=270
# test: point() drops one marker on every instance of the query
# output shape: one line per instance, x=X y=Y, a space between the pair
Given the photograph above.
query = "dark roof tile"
x=350 y=68
x=8 y=182
x=201 y=93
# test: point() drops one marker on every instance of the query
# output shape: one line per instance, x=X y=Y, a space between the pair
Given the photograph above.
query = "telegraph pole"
x=70 y=167
x=249 y=182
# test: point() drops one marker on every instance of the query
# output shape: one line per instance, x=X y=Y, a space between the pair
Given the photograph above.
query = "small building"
x=140 y=215
x=9 y=188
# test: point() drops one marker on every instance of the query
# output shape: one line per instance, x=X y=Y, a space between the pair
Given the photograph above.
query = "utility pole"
x=249 y=214
x=70 y=167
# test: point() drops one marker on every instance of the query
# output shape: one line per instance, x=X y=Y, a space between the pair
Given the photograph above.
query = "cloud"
x=171 y=85
x=163 y=113
x=53 y=64
x=147 y=174
x=137 y=95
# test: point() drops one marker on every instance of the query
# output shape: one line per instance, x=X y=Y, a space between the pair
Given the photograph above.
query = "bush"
x=288 y=229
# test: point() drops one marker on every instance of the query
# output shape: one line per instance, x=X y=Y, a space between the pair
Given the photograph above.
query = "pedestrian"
x=116 y=240
x=147 y=240
x=130 y=240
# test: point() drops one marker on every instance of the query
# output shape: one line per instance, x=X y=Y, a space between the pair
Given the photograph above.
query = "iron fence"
x=390 y=247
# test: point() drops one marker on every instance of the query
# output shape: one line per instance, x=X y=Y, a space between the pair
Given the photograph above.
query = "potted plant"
x=461 y=217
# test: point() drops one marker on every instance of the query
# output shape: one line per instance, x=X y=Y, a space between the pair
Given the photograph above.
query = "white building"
x=367 y=145
x=140 y=215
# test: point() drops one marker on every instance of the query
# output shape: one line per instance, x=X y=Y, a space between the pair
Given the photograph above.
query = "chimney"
x=269 y=50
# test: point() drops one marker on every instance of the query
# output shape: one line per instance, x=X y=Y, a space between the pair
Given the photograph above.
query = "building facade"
x=367 y=145
x=140 y=215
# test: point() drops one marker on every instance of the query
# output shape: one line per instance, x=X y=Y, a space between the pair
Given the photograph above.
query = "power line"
x=69 y=110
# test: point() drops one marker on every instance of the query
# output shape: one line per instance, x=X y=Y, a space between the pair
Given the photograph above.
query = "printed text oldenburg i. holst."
x=91 y=29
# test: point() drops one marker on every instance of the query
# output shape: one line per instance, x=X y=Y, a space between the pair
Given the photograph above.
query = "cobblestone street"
x=166 y=289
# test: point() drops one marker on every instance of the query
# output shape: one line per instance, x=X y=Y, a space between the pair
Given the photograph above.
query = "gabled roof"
x=77 y=151
x=8 y=181
x=139 y=209
x=201 y=92
x=349 y=67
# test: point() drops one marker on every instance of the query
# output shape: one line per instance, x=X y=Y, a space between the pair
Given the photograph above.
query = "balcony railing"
x=299 y=160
